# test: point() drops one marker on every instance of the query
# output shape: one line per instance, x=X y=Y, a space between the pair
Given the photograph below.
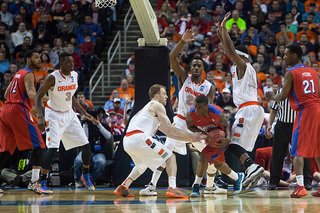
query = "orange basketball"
x=213 y=136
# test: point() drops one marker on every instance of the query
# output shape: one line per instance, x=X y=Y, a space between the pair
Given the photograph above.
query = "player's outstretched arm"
x=171 y=131
x=283 y=95
x=223 y=142
x=76 y=104
x=178 y=70
x=229 y=47
x=47 y=84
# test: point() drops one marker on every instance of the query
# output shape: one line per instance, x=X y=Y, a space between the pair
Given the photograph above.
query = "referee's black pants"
x=281 y=139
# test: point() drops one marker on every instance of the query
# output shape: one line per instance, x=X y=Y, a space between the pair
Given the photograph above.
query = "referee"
x=281 y=139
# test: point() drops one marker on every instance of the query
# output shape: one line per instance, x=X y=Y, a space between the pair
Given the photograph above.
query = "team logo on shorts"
x=201 y=88
x=72 y=79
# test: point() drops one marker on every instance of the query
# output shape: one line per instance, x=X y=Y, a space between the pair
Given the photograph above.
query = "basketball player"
x=145 y=151
x=190 y=86
x=17 y=127
x=203 y=118
x=60 y=121
x=302 y=86
x=250 y=115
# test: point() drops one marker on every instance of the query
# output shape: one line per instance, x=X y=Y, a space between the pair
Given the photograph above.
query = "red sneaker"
x=316 y=194
x=299 y=192
x=123 y=191
x=174 y=192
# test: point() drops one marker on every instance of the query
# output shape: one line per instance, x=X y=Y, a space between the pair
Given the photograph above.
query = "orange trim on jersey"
x=198 y=84
x=128 y=134
x=236 y=134
x=181 y=117
x=249 y=103
x=63 y=75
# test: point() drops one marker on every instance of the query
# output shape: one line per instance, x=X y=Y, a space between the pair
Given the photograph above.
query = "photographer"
x=101 y=143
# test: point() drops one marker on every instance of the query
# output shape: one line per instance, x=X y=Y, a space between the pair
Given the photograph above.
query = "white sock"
x=172 y=182
x=300 y=180
x=155 y=177
x=35 y=175
x=233 y=175
x=197 y=180
x=210 y=181
x=134 y=174
x=127 y=182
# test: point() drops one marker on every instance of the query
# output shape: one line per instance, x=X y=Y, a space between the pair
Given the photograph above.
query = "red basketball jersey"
x=206 y=124
x=17 y=93
x=305 y=87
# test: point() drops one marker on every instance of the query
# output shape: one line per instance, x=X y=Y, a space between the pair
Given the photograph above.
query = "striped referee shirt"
x=285 y=113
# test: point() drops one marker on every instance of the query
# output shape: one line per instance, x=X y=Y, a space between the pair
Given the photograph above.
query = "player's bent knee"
x=217 y=164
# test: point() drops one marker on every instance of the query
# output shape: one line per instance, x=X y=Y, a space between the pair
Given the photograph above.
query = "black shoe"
x=220 y=183
x=272 y=186
x=308 y=186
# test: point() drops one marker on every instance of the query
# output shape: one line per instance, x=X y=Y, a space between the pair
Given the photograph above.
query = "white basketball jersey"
x=188 y=93
x=144 y=122
x=60 y=96
x=245 y=89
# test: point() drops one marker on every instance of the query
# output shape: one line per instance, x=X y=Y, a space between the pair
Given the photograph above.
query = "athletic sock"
x=197 y=180
x=300 y=180
x=172 y=182
x=155 y=177
x=127 y=182
x=35 y=175
x=233 y=175
x=210 y=181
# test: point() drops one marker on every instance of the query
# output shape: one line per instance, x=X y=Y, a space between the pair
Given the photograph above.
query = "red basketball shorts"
x=17 y=128
x=214 y=154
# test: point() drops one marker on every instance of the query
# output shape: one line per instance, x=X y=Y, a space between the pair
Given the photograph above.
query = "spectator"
x=290 y=26
x=25 y=15
x=176 y=37
x=26 y=41
x=116 y=108
x=265 y=33
x=4 y=63
x=57 y=13
x=316 y=66
x=6 y=16
x=65 y=5
x=205 y=54
x=209 y=5
x=36 y=17
x=196 y=21
x=253 y=22
x=263 y=64
x=170 y=3
x=183 y=12
x=109 y=104
x=100 y=138
x=130 y=79
x=15 y=7
x=45 y=65
x=305 y=29
x=18 y=37
x=296 y=15
x=66 y=35
x=207 y=43
x=105 y=17
x=7 y=76
x=129 y=70
x=180 y=24
x=277 y=10
x=125 y=91
x=254 y=37
x=72 y=25
x=219 y=73
x=48 y=25
x=85 y=103
x=76 y=14
x=276 y=79
x=13 y=69
x=256 y=10
x=227 y=83
x=20 y=61
x=235 y=35
x=236 y=19
x=296 y=3
x=54 y=57
x=312 y=9
x=308 y=3
x=76 y=58
x=304 y=41
x=272 y=23
x=165 y=12
x=311 y=59
x=225 y=100
x=243 y=13
x=287 y=35
x=261 y=77
x=268 y=87
x=204 y=15
x=216 y=20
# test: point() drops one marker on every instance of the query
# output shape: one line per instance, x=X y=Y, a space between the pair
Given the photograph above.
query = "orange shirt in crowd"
x=217 y=76
x=40 y=75
x=307 y=5
x=253 y=49
x=222 y=86
x=310 y=34
x=261 y=76
x=176 y=37
x=129 y=93
x=36 y=19
x=289 y=34
x=276 y=79
x=260 y=93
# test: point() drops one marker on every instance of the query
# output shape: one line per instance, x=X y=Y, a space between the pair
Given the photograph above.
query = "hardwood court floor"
x=103 y=200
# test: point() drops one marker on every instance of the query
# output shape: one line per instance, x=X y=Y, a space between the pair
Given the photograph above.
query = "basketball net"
x=105 y=3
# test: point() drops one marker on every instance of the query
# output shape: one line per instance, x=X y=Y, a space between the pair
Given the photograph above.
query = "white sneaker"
x=253 y=173
x=32 y=186
x=1 y=191
x=79 y=185
x=214 y=190
x=150 y=190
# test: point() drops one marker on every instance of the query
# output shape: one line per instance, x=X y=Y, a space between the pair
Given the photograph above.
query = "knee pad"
x=236 y=150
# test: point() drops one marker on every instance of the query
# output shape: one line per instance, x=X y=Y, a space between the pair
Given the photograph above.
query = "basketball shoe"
x=123 y=191
x=85 y=179
x=42 y=188
x=175 y=192
x=316 y=194
x=195 y=190
x=1 y=191
x=214 y=190
x=300 y=191
x=253 y=174
x=237 y=187
x=149 y=190
x=32 y=186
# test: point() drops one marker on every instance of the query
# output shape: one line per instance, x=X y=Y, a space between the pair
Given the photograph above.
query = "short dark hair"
x=155 y=89
x=28 y=54
x=242 y=48
x=202 y=99
x=196 y=58
x=48 y=60
x=7 y=72
x=293 y=48
x=63 y=56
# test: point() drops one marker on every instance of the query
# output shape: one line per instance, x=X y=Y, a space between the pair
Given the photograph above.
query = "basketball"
x=213 y=136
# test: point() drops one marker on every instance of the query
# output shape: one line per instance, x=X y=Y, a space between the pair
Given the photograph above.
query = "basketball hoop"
x=105 y=3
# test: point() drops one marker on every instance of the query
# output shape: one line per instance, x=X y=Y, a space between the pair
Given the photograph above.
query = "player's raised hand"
x=226 y=17
x=198 y=136
x=187 y=36
x=269 y=95
x=222 y=142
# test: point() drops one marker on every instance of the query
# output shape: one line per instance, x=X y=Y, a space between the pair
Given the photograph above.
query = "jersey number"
x=68 y=94
x=14 y=87
x=307 y=89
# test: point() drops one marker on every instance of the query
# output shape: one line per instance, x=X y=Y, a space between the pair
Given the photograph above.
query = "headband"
x=242 y=53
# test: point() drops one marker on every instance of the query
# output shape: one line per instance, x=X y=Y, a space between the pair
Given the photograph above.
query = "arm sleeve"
x=104 y=132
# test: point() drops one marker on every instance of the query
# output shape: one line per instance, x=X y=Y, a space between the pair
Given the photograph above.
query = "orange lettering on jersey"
x=161 y=152
x=234 y=74
x=190 y=90
x=67 y=88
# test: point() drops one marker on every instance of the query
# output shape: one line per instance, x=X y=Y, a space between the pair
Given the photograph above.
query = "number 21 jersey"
x=60 y=95
x=305 y=87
